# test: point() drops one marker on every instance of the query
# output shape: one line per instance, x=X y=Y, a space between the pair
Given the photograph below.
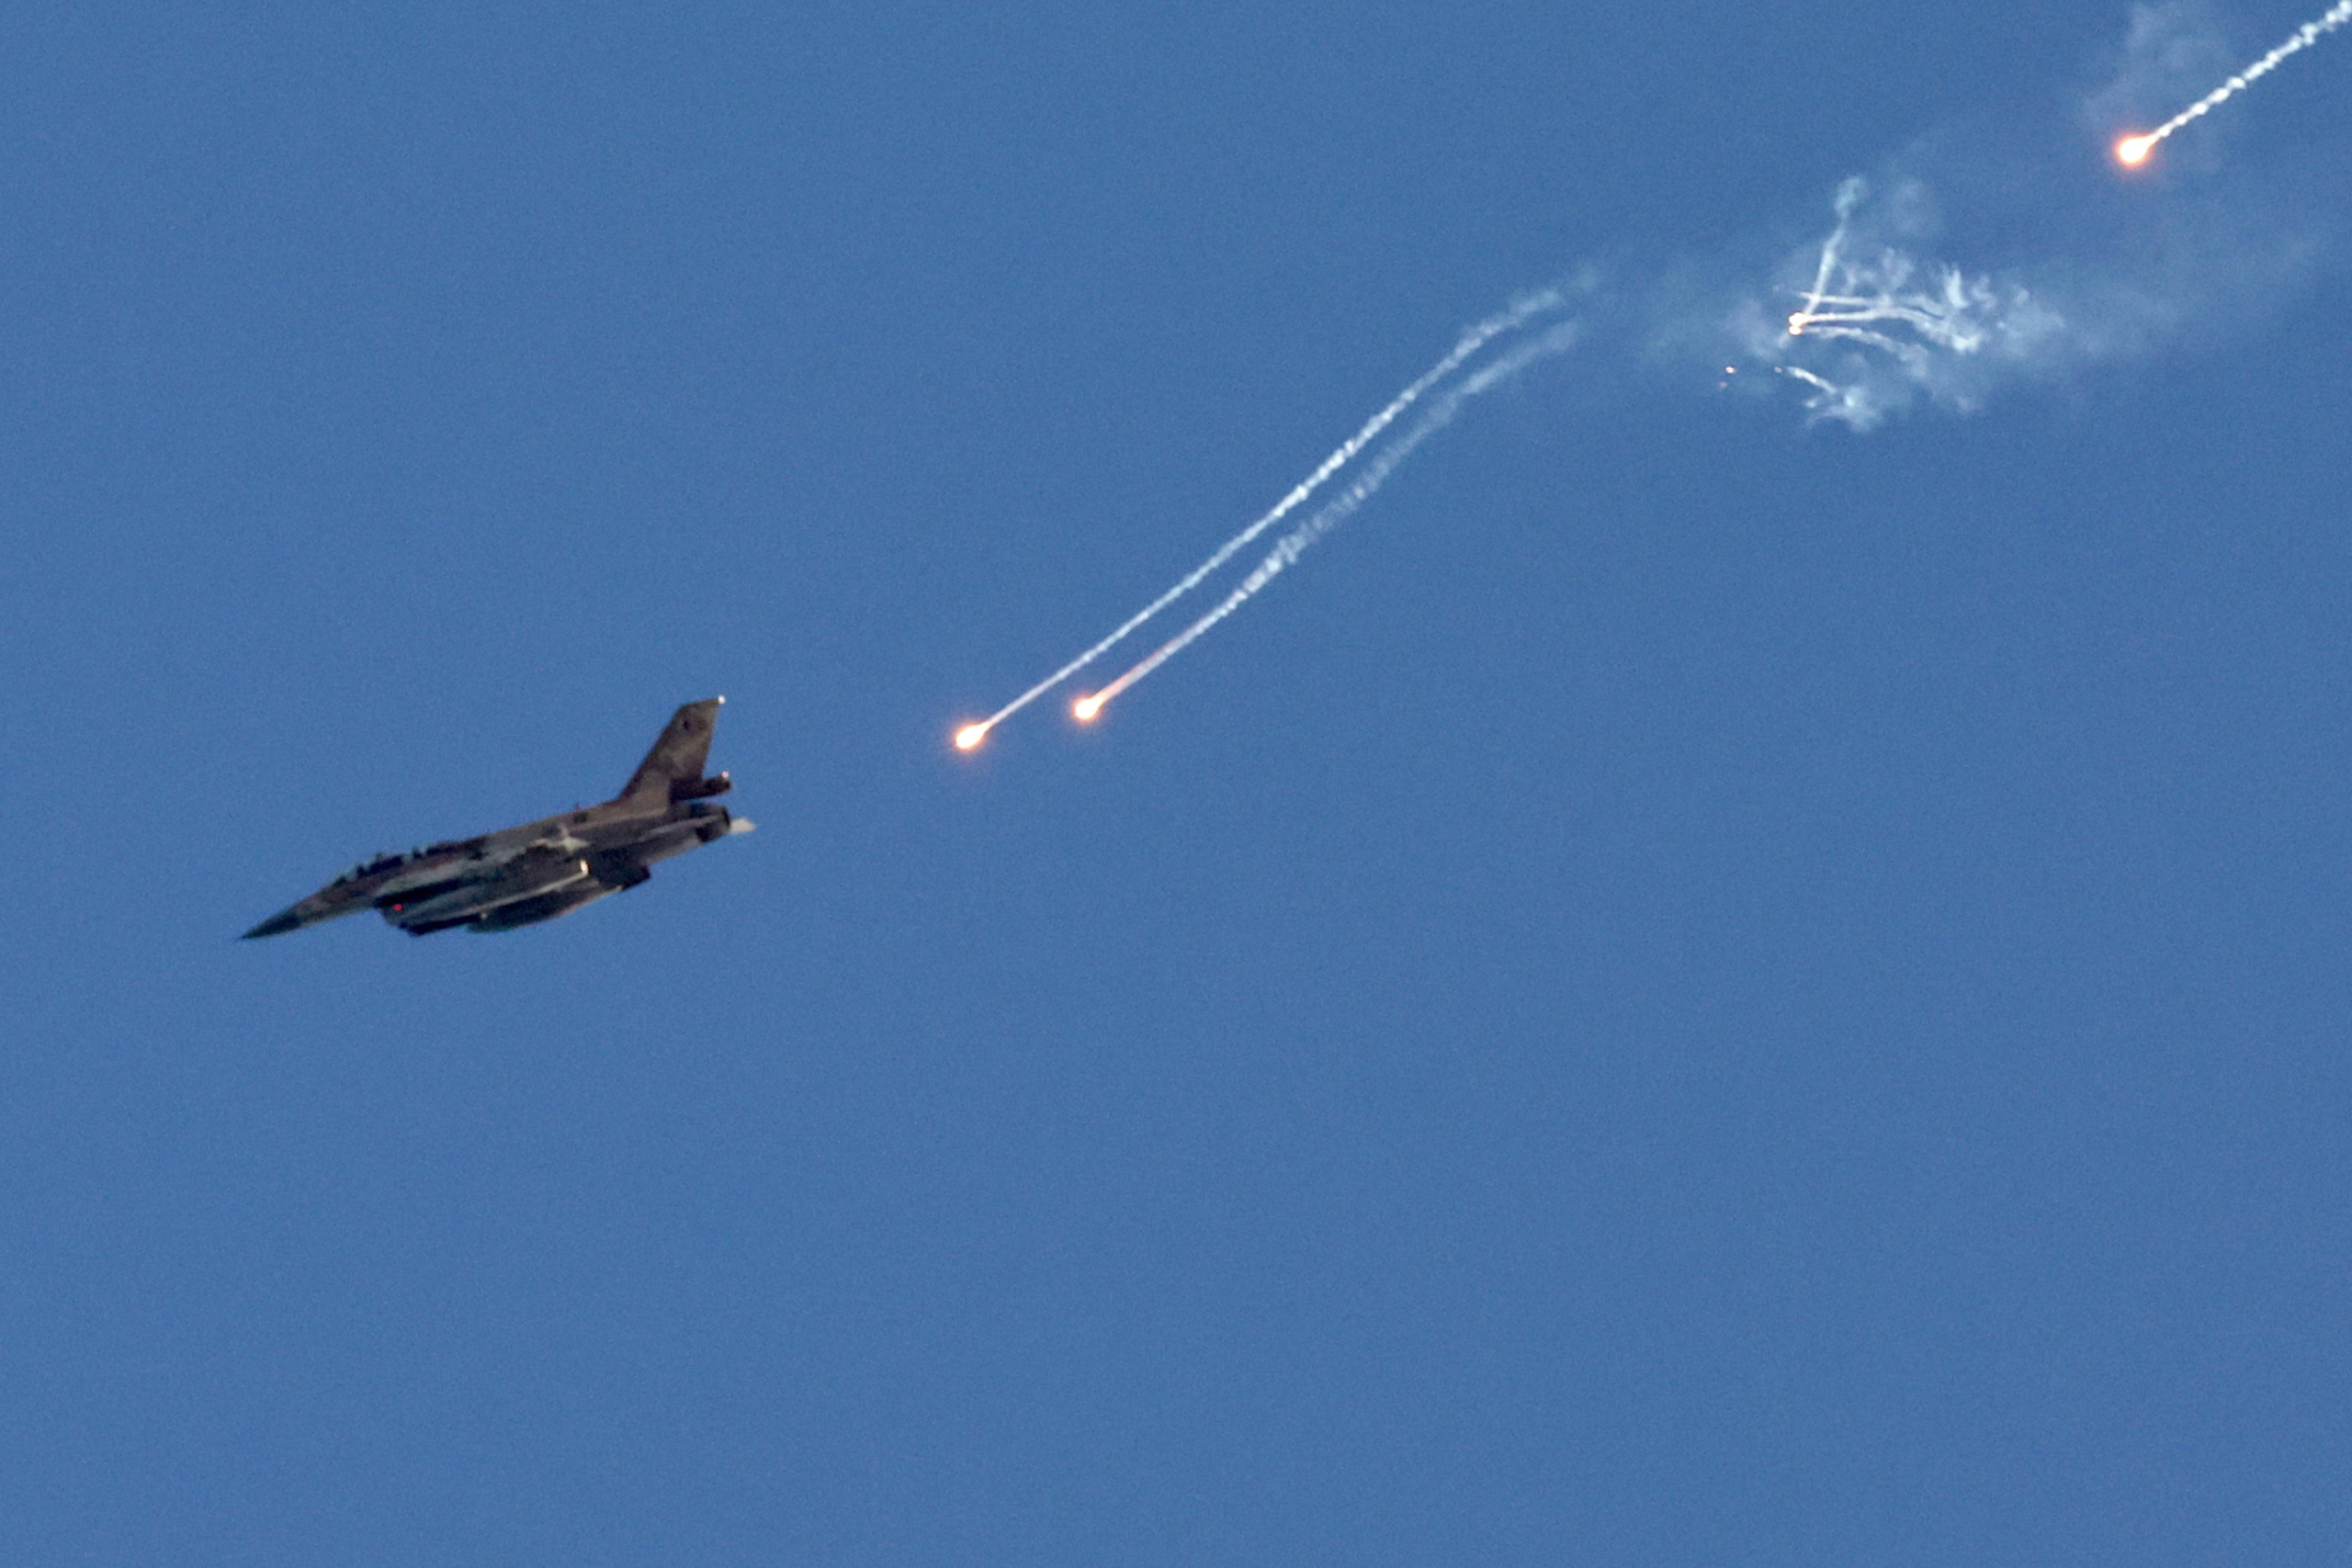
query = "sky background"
x=1689 y=989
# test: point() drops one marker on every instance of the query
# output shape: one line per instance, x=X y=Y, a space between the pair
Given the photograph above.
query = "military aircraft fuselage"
x=519 y=876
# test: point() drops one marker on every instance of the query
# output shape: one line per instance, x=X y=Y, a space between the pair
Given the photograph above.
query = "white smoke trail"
x=2133 y=149
x=1901 y=326
x=1950 y=314
x=1338 y=508
x=1879 y=323
x=1473 y=339
x=2090 y=270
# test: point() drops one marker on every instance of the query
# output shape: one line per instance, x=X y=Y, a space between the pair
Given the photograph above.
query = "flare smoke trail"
x=2135 y=148
x=1879 y=324
x=1873 y=322
x=1930 y=322
x=1474 y=339
x=1335 y=511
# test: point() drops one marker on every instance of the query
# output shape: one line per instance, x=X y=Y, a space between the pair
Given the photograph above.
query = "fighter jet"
x=519 y=876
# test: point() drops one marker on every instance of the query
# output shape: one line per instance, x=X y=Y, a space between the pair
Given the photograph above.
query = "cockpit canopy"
x=383 y=862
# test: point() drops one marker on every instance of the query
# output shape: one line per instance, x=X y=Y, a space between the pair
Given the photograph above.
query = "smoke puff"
x=2077 y=263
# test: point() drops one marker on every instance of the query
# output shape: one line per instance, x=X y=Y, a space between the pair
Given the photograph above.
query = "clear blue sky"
x=1693 y=989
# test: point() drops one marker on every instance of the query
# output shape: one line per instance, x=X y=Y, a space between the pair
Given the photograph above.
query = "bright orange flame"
x=971 y=735
x=2132 y=151
x=1086 y=708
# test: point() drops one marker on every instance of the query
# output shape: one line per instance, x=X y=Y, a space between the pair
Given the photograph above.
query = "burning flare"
x=2134 y=150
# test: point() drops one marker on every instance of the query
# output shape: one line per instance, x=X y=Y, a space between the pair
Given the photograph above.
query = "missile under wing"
x=519 y=876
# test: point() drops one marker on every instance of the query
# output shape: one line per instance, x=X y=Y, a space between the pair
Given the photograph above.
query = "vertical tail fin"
x=679 y=755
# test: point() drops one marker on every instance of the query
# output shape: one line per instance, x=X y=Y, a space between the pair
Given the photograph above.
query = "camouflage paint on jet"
x=519 y=876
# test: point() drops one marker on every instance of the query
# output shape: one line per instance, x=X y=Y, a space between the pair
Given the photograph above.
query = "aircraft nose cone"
x=276 y=925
